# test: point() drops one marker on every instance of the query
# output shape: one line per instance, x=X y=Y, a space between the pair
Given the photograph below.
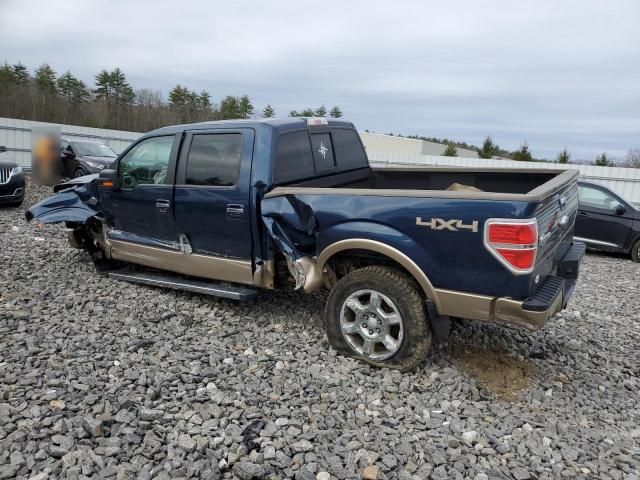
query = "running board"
x=235 y=292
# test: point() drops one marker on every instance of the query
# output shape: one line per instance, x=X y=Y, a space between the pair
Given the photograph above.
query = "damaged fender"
x=74 y=202
x=291 y=223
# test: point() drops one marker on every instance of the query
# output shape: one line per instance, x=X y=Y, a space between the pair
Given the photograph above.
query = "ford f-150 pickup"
x=231 y=207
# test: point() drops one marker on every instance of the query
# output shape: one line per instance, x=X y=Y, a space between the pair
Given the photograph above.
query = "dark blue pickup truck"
x=230 y=207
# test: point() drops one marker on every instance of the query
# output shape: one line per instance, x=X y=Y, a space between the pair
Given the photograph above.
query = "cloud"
x=551 y=73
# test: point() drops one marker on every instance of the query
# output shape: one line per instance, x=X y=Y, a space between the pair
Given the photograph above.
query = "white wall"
x=16 y=136
x=392 y=145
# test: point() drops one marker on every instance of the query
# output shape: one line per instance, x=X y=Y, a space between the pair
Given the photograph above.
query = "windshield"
x=94 y=149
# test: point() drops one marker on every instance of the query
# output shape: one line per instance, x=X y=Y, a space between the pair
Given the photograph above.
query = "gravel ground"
x=109 y=379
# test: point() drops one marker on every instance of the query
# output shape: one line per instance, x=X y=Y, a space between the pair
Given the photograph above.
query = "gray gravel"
x=100 y=378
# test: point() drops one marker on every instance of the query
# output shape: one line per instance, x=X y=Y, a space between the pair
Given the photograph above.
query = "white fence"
x=16 y=136
x=624 y=181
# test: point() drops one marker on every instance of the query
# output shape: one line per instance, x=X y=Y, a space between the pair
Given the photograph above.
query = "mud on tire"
x=403 y=294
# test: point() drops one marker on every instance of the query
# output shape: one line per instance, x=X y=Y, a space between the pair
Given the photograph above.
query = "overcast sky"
x=553 y=73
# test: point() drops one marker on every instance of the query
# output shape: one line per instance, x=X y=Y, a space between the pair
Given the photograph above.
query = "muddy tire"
x=377 y=315
x=635 y=252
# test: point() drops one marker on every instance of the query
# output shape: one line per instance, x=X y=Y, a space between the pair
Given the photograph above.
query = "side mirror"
x=109 y=179
x=68 y=154
x=620 y=209
x=3 y=149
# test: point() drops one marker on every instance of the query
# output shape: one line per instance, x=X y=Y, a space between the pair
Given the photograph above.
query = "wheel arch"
x=380 y=248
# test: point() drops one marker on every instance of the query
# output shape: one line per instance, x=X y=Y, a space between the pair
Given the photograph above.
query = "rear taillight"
x=513 y=242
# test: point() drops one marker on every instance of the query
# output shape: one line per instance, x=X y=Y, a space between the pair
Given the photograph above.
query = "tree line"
x=490 y=149
x=111 y=102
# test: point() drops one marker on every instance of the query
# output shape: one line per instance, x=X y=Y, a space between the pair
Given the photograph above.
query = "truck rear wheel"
x=375 y=314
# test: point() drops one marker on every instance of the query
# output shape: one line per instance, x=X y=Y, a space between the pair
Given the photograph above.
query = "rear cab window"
x=317 y=151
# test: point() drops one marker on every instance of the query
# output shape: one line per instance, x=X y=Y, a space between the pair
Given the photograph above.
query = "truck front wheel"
x=376 y=315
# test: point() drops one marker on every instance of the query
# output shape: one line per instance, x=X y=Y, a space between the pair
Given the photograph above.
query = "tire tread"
x=417 y=327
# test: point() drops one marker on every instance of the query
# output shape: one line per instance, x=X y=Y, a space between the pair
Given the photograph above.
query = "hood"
x=101 y=160
x=75 y=202
x=6 y=161
x=74 y=182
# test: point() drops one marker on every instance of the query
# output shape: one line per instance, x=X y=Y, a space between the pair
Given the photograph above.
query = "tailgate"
x=555 y=218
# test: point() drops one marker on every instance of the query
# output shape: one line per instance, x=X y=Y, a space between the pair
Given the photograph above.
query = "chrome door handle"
x=163 y=205
x=234 y=209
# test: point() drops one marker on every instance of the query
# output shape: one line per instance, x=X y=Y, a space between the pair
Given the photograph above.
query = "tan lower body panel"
x=481 y=307
x=205 y=266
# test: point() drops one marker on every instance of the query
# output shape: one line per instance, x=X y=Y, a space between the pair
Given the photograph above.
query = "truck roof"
x=280 y=124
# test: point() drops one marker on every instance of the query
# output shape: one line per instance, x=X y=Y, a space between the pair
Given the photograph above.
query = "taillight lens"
x=516 y=234
x=515 y=244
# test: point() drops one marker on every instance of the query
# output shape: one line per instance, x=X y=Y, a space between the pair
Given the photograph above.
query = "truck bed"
x=453 y=182
x=413 y=209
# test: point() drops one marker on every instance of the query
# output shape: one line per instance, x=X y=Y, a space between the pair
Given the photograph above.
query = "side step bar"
x=235 y=292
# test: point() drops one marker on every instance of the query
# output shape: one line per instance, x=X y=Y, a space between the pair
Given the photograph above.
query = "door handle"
x=163 y=205
x=235 y=209
x=582 y=214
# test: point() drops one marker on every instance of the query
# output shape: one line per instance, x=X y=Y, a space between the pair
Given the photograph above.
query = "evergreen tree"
x=204 y=102
x=72 y=89
x=45 y=83
x=294 y=113
x=6 y=77
x=321 y=112
x=103 y=86
x=245 y=107
x=450 y=151
x=20 y=74
x=229 y=108
x=307 y=112
x=603 y=161
x=122 y=91
x=564 y=156
x=335 y=112
x=489 y=149
x=523 y=154
x=268 y=112
x=178 y=96
x=45 y=79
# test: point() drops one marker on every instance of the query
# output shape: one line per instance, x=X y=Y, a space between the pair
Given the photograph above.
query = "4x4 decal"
x=453 y=225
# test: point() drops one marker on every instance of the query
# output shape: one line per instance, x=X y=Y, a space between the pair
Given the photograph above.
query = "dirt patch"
x=497 y=372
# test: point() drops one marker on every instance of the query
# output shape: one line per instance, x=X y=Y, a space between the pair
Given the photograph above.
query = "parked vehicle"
x=293 y=202
x=606 y=221
x=12 y=180
x=81 y=157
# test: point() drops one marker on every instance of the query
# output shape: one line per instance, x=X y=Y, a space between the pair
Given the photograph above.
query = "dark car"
x=606 y=221
x=81 y=157
x=12 y=181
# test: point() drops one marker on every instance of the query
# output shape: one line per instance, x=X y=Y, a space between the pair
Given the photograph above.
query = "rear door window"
x=294 y=160
x=323 y=151
x=214 y=159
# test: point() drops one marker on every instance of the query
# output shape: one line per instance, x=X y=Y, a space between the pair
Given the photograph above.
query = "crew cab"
x=227 y=208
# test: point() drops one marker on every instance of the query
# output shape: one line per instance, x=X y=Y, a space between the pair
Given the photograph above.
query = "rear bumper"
x=532 y=313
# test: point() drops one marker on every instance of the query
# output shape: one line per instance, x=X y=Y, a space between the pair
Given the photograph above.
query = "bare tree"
x=633 y=158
